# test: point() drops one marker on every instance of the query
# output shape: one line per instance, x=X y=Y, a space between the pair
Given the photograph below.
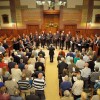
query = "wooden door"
x=32 y=28
x=71 y=28
x=51 y=22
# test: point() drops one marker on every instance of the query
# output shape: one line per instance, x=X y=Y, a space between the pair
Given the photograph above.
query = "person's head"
x=98 y=92
x=67 y=93
x=86 y=64
x=51 y=45
x=78 y=77
x=16 y=66
x=27 y=50
x=21 y=60
x=26 y=66
x=32 y=56
x=12 y=59
x=66 y=78
x=77 y=55
x=96 y=69
x=40 y=68
x=81 y=57
x=23 y=76
x=83 y=96
x=90 y=48
x=16 y=92
x=91 y=57
x=15 y=53
x=62 y=59
x=83 y=49
x=3 y=90
x=40 y=75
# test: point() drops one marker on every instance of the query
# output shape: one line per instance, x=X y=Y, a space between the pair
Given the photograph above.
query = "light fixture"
x=51 y=3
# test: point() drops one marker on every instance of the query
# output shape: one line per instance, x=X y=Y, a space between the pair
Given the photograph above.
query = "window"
x=97 y=18
x=5 y=19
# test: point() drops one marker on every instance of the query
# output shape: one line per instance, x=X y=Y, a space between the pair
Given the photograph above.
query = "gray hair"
x=67 y=93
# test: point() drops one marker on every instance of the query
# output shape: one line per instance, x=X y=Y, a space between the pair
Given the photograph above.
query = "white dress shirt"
x=77 y=87
x=80 y=64
x=85 y=72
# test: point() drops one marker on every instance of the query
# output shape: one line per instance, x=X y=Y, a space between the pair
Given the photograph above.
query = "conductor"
x=51 y=52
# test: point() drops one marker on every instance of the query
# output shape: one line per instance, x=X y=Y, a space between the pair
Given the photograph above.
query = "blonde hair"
x=98 y=92
x=84 y=95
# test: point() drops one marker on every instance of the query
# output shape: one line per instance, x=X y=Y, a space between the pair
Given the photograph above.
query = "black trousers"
x=40 y=94
x=51 y=58
x=67 y=45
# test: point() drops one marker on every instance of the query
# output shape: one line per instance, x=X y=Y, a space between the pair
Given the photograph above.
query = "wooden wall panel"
x=71 y=28
x=84 y=32
x=50 y=18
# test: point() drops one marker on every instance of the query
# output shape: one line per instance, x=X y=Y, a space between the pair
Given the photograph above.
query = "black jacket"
x=51 y=50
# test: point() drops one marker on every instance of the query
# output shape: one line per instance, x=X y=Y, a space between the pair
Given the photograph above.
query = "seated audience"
x=32 y=95
x=94 y=76
x=27 y=72
x=16 y=73
x=67 y=96
x=41 y=52
x=83 y=96
x=97 y=63
x=61 y=66
x=80 y=63
x=11 y=85
x=91 y=63
x=21 y=65
x=16 y=95
x=86 y=57
x=77 y=87
x=38 y=64
x=24 y=86
x=96 y=97
x=3 y=94
x=11 y=64
x=85 y=73
x=65 y=85
x=32 y=60
x=77 y=58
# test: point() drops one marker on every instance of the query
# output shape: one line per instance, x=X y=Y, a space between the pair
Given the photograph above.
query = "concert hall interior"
x=49 y=49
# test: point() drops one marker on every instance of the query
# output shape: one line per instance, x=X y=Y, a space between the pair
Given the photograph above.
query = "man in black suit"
x=11 y=64
x=61 y=66
x=32 y=95
x=5 y=45
x=51 y=52
x=41 y=53
x=38 y=64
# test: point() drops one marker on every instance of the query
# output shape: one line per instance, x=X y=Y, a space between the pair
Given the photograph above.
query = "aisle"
x=52 y=84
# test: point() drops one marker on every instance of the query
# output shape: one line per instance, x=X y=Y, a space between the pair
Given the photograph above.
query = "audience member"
x=67 y=96
x=16 y=73
x=77 y=87
x=32 y=95
x=39 y=85
x=24 y=86
x=16 y=95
